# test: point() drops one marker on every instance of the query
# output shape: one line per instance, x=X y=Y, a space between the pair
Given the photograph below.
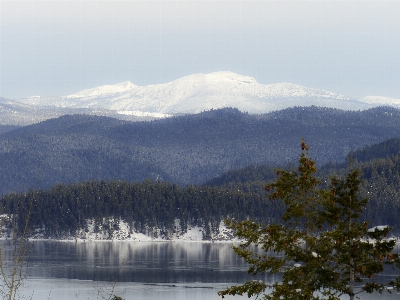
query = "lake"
x=135 y=270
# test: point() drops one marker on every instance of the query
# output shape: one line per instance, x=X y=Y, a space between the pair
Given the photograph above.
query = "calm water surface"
x=141 y=270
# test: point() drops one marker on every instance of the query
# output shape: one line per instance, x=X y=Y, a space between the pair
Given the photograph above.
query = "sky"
x=57 y=48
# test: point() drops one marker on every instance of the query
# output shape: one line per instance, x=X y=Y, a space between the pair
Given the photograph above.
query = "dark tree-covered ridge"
x=380 y=175
x=185 y=150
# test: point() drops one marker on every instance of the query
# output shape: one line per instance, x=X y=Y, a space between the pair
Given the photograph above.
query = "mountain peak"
x=230 y=77
x=216 y=79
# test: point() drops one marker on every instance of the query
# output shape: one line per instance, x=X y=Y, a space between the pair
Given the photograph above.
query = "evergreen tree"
x=321 y=250
x=355 y=252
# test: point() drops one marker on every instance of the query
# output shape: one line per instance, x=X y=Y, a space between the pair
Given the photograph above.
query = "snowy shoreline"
x=123 y=232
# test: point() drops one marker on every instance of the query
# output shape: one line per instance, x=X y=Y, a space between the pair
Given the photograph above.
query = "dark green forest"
x=63 y=209
x=237 y=194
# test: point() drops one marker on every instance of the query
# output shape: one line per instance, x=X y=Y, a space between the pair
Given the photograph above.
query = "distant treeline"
x=64 y=209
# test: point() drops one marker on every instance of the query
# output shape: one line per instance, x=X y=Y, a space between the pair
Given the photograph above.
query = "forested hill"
x=386 y=149
x=184 y=150
x=380 y=174
x=6 y=128
x=248 y=175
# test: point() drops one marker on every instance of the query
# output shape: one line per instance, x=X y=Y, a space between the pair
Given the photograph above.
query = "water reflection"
x=146 y=262
x=143 y=270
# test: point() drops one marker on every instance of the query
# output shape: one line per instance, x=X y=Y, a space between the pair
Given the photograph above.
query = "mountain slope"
x=381 y=101
x=27 y=112
x=184 y=150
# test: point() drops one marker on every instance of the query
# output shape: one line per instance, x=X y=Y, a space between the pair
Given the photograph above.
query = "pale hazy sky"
x=56 y=48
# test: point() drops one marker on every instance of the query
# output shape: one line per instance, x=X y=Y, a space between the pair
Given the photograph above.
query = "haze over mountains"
x=188 y=95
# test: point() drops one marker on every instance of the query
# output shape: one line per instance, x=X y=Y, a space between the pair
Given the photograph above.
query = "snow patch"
x=192 y=234
x=314 y=254
x=143 y=114
x=104 y=90
x=378 y=228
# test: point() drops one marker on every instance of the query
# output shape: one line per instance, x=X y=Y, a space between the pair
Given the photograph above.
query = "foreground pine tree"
x=322 y=250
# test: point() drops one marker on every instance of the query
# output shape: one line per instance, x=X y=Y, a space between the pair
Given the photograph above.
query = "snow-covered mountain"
x=200 y=92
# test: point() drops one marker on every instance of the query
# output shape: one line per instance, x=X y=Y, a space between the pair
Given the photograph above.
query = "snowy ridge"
x=381 y=101
x=199 y=92
x=215 y=83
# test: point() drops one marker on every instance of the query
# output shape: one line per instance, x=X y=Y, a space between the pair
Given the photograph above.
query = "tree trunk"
x=351 y=282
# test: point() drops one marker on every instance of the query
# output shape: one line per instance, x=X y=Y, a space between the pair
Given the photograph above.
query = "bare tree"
x=13 y=271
